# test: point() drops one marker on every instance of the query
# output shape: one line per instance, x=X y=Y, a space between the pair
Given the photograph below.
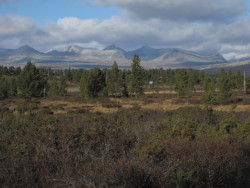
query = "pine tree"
x=68 y=74
x=4 y=93
x=85 y=84
x=181 y=83
x=30 y=82
x=12 y=87
x=209 y=90
x=114 y=80
x=137 y=79
x=239 y=81
x=225 y=85
x=124 y=84
x=53 y=88
x=92 y=82
x=62 y=86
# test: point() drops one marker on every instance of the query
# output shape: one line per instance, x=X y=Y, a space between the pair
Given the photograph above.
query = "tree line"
x=41 y=82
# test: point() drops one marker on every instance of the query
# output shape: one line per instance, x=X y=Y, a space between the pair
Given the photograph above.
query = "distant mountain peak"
x=147 y=47
x=73 y=48
x=114 y=47
x=26 y=47
x=110 y=46
x=152 y=57
x=146 y=53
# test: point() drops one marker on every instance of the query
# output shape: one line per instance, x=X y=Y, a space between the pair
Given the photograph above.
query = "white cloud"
x=187 y=10
x=14 y=25
x=236 y=33
x=227 y=38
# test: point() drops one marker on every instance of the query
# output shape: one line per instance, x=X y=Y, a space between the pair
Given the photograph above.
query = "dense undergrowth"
x=189 y=147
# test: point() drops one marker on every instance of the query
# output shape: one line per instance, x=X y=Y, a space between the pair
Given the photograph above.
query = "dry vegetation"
x=157 y=140
x=164 y=100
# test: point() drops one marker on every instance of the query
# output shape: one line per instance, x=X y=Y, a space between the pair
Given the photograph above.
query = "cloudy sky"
x=206 y=26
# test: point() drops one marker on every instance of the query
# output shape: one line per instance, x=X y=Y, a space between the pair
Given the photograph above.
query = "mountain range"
x=79 y=57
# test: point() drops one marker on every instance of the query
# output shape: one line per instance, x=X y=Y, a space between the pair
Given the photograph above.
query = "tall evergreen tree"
x=225 y=85
x=12 y=87
x=53 y=89
x=182 y=85
x=92 y=82
x=85 y=84
x=30 y=82
x=124 y=84
x=239 y=81
x=4 y=90
x=137 y=78
x=114 y=80
x=62 y=86
x=209 y=90
x=68 y=74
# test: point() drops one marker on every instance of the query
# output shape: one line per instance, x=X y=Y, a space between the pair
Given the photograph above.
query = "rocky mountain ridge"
x=77 y=56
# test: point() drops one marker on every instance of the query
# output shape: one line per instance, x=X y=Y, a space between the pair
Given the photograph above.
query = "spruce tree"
x=62 y=86
x=124 y=84
x=114 y=80
x=92 y=82
x=181 y=83
x=85 y=84
x=225 y=85
x=137 y=79
x=53 y=89
x=30 y=82
x=4 y=92
x=12 y=87
x=239 y=81
x=209 y=90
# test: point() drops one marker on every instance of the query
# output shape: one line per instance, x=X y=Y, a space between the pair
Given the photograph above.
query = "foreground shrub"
x=189 y=147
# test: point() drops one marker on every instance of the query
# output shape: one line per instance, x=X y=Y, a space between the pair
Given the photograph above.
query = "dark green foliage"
x=225 y=85
x=54 y=89
x=92 y=82
x=68 y=74
x=12 y=87
x=181 y=82
x=239 y=81
x=85 y=84
x=9 y=71
x=31 y=82
x=77 y=73
x=209 y=91
x=136 y=79
x=62 y=88
x=184 y=83
x=124 y=84
x=114 y=80
x=4 y=88
x=8 y=87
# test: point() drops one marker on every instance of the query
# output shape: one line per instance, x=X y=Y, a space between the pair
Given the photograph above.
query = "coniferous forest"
x=123 y=128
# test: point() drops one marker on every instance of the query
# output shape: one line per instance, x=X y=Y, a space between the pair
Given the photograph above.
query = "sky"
x=205 y=26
